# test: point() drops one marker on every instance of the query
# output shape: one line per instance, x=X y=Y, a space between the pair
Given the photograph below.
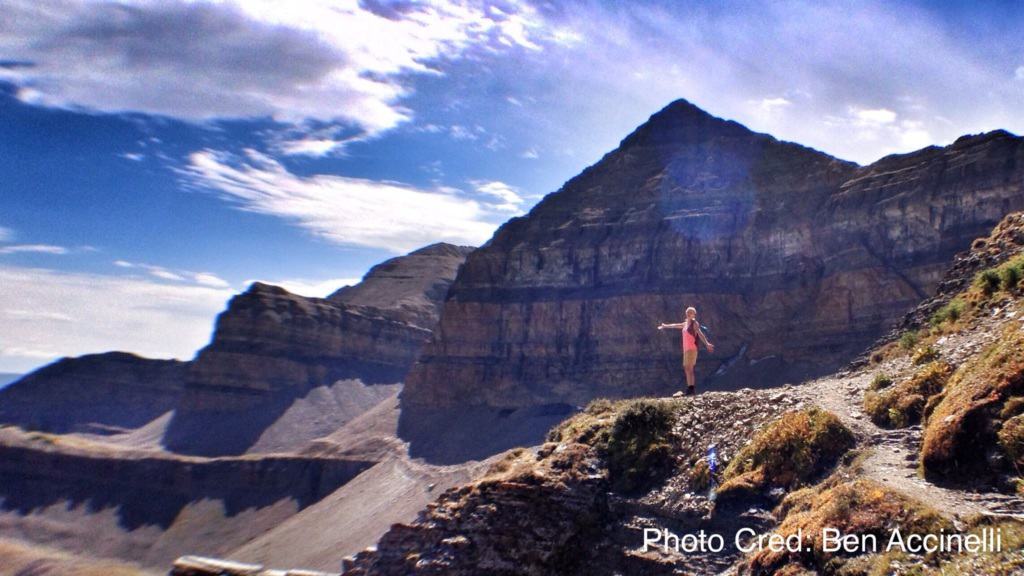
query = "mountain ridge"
x=762 y=235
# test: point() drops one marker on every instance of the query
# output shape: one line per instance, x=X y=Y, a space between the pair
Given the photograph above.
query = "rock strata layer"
x=797 y=261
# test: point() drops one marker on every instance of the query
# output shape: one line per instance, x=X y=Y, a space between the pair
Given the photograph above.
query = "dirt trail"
x=893 y=455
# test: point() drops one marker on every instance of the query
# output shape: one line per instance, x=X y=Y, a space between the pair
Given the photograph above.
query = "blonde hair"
x=688 y=310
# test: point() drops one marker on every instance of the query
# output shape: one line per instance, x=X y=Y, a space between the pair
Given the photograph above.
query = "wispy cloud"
x=6 y=234
x=340 y=61
x=201 y=278
x=351 y=211
x=33 y=249
x=97 y=313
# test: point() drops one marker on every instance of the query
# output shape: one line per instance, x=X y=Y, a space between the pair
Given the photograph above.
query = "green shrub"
x=639 y=452
x=988 y=281
x=951 y=312
x=880 y=381
x=1009 y=277
x=908 y=340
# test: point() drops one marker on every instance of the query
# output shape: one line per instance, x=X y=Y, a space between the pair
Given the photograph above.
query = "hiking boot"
x=691 y=390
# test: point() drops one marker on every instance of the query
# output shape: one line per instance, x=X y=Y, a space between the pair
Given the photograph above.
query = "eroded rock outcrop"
x=272 y=350
x=796 y=260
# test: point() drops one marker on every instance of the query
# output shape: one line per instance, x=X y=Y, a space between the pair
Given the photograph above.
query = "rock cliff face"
x=96 y=393
x=796 y=260
x=272 y=348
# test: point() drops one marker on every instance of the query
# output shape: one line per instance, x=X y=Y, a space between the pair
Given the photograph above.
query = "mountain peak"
x=681 y=121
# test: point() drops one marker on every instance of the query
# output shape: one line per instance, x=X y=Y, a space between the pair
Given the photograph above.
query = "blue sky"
x=156 y=157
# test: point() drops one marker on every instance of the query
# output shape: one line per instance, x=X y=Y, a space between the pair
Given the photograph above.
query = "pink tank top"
x=689 y=341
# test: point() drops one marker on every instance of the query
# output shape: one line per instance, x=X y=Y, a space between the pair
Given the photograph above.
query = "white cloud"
x=6 y=234
x=874 y=116
x=304 y=60
x=33 y=248
x=165 y=274
x=47 y=314
x=1019 y=73
x=773 y=104
x=210 y=279
x=311 y=146
x=530 y=154
x=311 y=288
x=349 y=211
x=509 y=196
x=133 y=156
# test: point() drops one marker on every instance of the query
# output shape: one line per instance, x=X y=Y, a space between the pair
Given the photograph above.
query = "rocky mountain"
x=98 y=393
x=797 y=261
x=273 y=351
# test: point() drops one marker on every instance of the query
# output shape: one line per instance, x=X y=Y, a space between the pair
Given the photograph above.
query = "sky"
x=158 y=156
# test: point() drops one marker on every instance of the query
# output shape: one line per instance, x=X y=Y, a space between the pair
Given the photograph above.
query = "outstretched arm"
x=708 y=345
x=663 y=326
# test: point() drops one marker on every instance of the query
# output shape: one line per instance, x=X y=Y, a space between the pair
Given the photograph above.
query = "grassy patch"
x=857 y=507
x=951 y=312
x=961 y=429
x=795 y=448
x=909 y=339
x=638 y=451
x=904 y=404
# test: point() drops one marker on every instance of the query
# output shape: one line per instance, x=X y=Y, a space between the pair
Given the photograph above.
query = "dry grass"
x=923 y=355
x=962 y=426
x=903 y=405
x=513 y=463
x=857 y=507
x=797 y=447
x=592 y=426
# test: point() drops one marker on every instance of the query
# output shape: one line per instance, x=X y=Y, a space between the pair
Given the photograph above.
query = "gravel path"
x=893 y=455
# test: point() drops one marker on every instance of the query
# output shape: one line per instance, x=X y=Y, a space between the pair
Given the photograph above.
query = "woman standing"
x=691 y=333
